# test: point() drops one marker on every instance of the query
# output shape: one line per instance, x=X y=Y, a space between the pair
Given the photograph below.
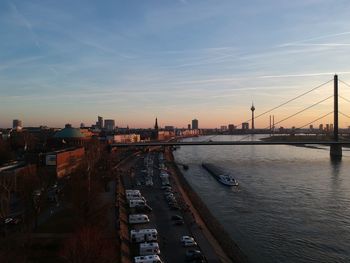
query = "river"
x=292 y=203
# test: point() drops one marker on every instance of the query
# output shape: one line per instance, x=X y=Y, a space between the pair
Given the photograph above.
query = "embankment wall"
x=228 y=245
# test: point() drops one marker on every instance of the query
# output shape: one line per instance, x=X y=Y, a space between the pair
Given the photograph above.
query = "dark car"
x=194 y=255
x=143 y=208
x=12 y=221
x=174 y=207
x=178 y=222
x=176 y=217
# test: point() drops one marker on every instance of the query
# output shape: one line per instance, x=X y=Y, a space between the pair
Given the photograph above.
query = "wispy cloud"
x=304 y=75
x=23 y=21
x=322 y=44
x=19 y=61
x=314 y=38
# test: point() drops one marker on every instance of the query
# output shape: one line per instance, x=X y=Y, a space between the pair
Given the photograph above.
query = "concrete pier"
x=336 y=151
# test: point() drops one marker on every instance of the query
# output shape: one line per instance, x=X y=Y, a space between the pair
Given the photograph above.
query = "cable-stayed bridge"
x=335 y=144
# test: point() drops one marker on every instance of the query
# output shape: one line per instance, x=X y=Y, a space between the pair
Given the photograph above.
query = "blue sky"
x=132 y=60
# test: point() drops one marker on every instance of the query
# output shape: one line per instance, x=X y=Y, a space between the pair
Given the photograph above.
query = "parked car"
x=12 y=221
x=176 y=217
x=193 y=254
x=174 y=207
x=188 y=241
x=178 y=222
x=143 y=208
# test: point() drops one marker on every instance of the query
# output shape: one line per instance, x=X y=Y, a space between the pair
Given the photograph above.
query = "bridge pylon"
x=336 y=149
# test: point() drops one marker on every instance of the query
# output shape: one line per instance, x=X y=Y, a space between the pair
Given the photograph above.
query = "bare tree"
x=7 y=185
x=87 y=245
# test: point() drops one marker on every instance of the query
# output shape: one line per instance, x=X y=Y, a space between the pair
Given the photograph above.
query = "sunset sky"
x=133 y=60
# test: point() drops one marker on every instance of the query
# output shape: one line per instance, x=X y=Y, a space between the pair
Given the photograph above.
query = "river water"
x=292 y=203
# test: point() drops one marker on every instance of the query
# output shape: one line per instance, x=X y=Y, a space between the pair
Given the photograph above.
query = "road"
x=168 y=234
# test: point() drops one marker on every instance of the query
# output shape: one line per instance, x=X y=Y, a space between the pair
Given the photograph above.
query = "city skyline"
x=132 y=61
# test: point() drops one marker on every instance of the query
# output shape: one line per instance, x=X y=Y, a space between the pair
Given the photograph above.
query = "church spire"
x=156 y=125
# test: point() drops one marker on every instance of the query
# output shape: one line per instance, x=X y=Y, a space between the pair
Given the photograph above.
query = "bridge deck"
x=211 y=143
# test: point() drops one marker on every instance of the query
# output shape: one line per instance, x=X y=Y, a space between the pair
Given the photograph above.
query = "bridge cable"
x=282 y=104
x=344 y=82
x=288 y=101
x=294 y=114
x=316 y=120
x=290 y=116
x=344 y=114
x=344 y=98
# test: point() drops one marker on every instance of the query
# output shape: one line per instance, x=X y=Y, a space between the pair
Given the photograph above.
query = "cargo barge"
x=222 y=176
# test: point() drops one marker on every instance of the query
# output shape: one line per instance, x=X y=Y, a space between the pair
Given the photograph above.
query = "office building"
x=109 y=125
x=195 y=124
x=99 y=123
x=17 y=124
x=245 y=126
x=65 y=161
x=231 y=127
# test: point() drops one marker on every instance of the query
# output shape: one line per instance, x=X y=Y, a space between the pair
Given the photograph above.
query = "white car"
x=188 y=241
x=186 y=238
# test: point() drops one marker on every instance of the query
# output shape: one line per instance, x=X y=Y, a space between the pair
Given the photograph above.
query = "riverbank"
x=225 y=248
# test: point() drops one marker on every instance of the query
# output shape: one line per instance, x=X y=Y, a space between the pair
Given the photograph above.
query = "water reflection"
x=292 y=205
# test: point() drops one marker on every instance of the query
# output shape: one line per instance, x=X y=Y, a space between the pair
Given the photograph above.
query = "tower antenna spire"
x=252 y=109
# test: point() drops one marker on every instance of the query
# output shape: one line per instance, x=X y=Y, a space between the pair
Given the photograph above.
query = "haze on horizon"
x=69 y=61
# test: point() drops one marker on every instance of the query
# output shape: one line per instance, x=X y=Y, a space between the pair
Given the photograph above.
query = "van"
x=138 y=219
x=135 y=198
x=149 y=249
x=136 y=202
x=132 y=191
x=131 y=195
x=143 y=235
x=148 y=259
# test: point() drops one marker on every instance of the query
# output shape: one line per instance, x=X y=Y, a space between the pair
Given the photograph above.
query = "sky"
x=134 y=60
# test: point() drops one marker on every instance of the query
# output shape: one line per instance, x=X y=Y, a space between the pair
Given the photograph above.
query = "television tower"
x=252 y=109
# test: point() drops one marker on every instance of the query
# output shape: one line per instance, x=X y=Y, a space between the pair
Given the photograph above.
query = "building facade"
x=195 y=124
x=245 y=126
x=64 y=162
x=17 y=124
x=109 y=125
x=126 y=138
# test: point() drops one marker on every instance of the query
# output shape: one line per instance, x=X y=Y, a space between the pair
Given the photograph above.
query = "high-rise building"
x=17 y=124
x=109 y=125
x=327 y=127
x=321 y=127
x=231 y=127
x=99 y=122
x=195 y=124
x=245 y=126
x=188 y=126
